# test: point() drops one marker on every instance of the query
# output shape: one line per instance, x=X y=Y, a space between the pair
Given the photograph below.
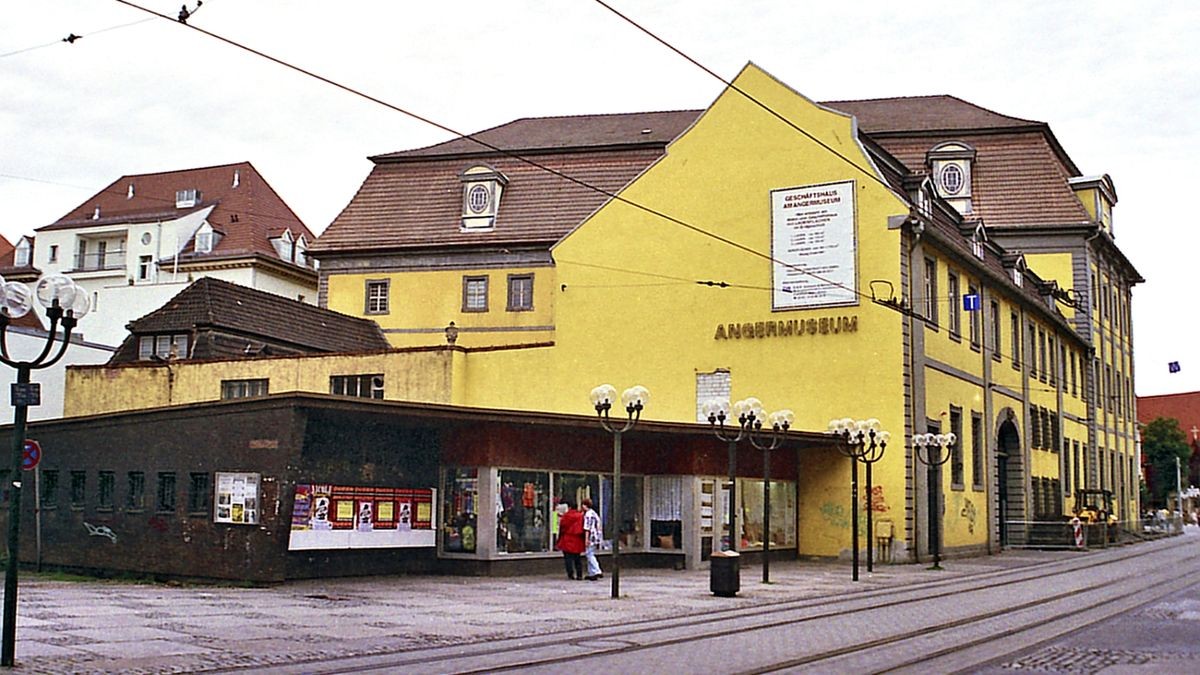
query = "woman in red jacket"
x=571 y=540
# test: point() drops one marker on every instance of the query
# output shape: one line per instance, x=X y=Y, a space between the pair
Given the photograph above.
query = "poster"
x=237 y=498
x=813 y=244
x=327 y=516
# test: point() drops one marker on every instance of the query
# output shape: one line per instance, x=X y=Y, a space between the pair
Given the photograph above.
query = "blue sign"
x=1173 y=366
x=971 y=302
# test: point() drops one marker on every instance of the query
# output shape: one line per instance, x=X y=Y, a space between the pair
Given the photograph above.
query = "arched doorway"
x=1010 y=495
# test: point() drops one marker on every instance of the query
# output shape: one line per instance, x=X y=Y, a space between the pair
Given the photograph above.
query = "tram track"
x=557 y=650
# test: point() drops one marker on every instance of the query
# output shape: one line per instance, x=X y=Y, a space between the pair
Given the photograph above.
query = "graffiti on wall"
x=835 y=515
x=878 y=503
x=968 y=512
x=100 y=531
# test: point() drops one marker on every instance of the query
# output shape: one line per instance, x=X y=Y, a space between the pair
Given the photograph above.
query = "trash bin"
x=725 y=573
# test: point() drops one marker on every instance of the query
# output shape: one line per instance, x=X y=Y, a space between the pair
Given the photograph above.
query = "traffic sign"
x=31 y=454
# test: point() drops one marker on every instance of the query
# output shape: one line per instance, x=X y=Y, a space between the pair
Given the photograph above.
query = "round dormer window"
x=479 y=198
x=145 y=238
x=952 y=179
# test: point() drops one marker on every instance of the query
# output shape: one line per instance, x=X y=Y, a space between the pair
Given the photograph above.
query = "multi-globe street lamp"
x=860 y=440
x=634 y=400
x=781 y=421
x=66 y=303
x=934 y=450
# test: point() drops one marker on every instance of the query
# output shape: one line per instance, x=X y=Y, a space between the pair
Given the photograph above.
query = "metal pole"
x=20 y=416
x=1178 y=494
x=37 y=512
x=733 y=496
x=854 y=512
x=616 y=573
x=766 y=578
x=870 y=530
x=935 y=507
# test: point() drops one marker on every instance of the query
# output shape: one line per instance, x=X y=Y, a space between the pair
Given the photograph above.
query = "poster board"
x=327 y=516
x=237 y=501
x=814 y=246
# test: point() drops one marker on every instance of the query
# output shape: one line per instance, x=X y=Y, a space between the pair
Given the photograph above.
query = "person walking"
x=571 y=539
x=593 y=531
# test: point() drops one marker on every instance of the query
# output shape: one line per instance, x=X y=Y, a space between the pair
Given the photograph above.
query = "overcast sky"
x=1118 y=82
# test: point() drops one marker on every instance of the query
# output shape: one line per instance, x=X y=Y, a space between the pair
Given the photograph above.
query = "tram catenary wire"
x=635 y=636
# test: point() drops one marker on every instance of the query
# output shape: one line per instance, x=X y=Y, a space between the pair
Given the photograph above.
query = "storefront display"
x=666 y=511
x=460 y=510
x=522 y=512
x=783 y=513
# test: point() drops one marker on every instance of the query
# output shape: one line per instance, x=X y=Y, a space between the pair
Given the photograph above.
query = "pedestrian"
x=593 y=531
x=571 y=540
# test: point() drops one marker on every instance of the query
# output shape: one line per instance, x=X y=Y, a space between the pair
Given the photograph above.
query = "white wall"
x=25 y=344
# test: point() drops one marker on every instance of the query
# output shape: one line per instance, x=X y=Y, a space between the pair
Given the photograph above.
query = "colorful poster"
x=237 y=498
x=814 y=246
x=326 y=516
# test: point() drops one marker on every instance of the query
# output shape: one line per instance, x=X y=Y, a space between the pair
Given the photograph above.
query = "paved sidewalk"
x=95 y=627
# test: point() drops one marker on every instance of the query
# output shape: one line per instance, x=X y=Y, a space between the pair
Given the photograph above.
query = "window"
x=1052 y=369
x=475 y=294
x=49 y=489
x=199 y=495
x=135 y=497
x=144 y=263
x=23 y=253
x=186 y=198
x=976 y=319
x=166 y=493
x=955 y=304
x=1042 y=355
x=243 y=388
x=1035 y=427
x=102 y=255
x=1031 y=351
x=108 y=485
x=1074 y=375
x=53 y=252
x=1066 y=464
x=520 y=292
x=996 y=333
x=956 y=455
x=78 y=489
x=173 y=346
x=931 y=289
x=1016 y=341
x=204 y=240
x=377 y=296
x=976 y=450
x=460 y=501
x=362 y=386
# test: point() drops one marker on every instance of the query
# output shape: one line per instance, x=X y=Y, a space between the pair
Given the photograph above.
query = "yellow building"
x=761 y=247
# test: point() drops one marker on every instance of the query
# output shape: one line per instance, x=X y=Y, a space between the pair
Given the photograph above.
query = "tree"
x=1162 y=443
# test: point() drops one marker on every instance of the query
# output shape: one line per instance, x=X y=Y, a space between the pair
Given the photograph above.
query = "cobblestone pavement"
x=101 y=627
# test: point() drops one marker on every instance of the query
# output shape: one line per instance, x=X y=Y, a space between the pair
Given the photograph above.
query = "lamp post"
x=933 y=450
x=65 y=304
x=746 y=411
x=781 y=421
x=873 y=447
x=859 y=440
x=634 y=399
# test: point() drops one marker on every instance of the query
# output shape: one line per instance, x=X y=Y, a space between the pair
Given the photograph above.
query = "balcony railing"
x=109 y=260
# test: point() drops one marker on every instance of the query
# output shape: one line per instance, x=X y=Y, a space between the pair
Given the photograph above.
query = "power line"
x=71 y=38
x=507 y=153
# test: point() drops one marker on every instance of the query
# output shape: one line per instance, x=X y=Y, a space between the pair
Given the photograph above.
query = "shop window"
x=666 y=511
x=520 y=292
x=244 y=388
x=475 y=294
x=135 y=495
x=107 y=488
x=460 y=510
x=377 y=291
x=166 y=493
x=78 y=489
x=199 y=494
x=49 y=489
x=783 y=512
x=522 y=522
x=362 y=386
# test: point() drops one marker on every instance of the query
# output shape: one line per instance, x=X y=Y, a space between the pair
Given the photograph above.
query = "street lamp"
x=746 y=411
x=933 y=450
x=781 y=421
x=65 y=304
x=634 y=399
x=873 y=446
x=861 y=441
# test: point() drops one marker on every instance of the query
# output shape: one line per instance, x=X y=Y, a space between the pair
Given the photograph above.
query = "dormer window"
x=23 y=253
x=950 y=167
x=1018 y=277
x=978 y=238
x=206 y=238
x=482 y=187
x=186 y=199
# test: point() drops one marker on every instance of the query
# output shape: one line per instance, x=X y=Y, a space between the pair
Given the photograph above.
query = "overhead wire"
x=507 y=153
x=72 y=37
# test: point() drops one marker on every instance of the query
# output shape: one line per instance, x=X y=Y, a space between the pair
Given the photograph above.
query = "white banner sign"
x=813 y=240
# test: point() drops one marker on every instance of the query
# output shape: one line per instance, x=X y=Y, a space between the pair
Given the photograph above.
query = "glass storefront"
x=460 y=501
x=522 y=514
x=783 y=513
